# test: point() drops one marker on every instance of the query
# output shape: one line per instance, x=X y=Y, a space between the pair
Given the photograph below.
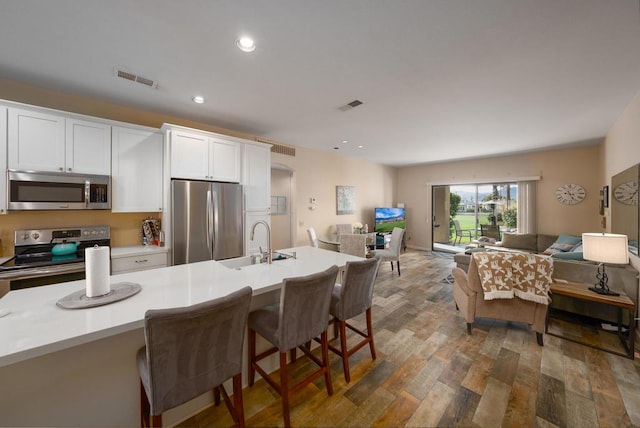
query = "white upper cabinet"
x=40 y=141
x=137 y=165
x=189 y=156
x=88 y=147
x=256 y=177
x=3 y=160
x=36 y=141
x=224 y=160
x=200 y=157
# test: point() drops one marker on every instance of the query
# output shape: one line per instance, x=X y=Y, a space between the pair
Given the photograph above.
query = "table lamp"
x=605 y=248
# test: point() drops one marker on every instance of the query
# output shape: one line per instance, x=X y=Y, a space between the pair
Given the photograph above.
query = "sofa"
x=565 y=247
x=621 y=277
x=487 y=291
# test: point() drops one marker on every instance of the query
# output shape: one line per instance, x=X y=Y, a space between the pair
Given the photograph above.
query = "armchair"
x=470 y=300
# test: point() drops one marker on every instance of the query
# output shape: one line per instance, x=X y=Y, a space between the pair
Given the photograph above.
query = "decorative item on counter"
x=366 y=228
x=65 y=248
x=357 y=227
x=97 y=271
x=151 y=231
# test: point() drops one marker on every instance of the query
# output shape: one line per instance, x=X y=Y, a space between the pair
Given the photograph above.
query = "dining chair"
x=313 y=237
x=353 y=244
x=351 y=298
x=342 y=228
x=191 y=350
x=301 y=316
x=391 y=254
x=490 y=231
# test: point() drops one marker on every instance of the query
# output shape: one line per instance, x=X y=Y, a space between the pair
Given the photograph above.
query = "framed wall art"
x=345 y=200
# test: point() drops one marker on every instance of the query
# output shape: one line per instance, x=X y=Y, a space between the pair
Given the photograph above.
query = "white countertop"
x=36 y=326
x=136 y=250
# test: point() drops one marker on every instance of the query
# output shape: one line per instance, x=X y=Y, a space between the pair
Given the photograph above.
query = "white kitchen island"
x=77 y=367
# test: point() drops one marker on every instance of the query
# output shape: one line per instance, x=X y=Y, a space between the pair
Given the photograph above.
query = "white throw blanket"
x=504 y=275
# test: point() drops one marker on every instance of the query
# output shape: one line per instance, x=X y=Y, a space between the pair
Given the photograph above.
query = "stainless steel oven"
x=49 y=256
x=58 y=191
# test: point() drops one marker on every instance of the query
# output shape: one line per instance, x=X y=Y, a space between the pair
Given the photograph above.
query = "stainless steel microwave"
x=58 y=191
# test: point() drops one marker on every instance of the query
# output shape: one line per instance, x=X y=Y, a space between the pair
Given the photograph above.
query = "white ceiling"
x=440 y=79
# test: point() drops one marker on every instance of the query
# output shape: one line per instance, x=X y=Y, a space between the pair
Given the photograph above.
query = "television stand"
x=382 y=240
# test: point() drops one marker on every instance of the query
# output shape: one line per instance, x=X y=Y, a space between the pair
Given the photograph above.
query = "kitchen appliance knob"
x=69 y=169
x=61 y=169
x=35 y=235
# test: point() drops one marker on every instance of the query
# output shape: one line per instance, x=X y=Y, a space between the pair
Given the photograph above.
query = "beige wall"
x=555 y=167
x=621 y=148
x=316 y=174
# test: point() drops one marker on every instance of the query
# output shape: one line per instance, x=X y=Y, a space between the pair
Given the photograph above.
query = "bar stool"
x=190 y=351
x=352 y=298
x=301 y=316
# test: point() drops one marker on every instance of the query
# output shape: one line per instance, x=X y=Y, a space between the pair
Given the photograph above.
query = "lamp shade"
x=605 y=248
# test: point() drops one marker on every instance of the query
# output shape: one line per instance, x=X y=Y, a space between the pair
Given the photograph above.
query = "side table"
x=622 y=302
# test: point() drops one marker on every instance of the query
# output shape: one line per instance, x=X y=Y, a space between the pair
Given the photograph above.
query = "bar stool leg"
x=252 y=356
x=372 y=347
x=284 y=385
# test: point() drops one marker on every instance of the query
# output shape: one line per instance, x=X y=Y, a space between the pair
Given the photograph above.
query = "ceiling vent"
x=279 y=148
x=135 y=78
x=349 y=106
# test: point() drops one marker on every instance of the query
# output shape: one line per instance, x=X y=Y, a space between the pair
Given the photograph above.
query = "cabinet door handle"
x=142 y=261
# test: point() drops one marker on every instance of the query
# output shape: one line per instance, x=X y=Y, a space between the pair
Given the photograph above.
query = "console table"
x=622 y=302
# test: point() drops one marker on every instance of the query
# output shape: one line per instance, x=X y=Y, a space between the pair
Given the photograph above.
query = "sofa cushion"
x=520 y=241
x=569 y=255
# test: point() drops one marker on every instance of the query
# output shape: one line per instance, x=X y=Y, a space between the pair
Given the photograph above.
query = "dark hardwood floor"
x=429 y=372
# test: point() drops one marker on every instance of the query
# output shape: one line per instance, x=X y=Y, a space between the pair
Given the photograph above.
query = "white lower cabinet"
x=136 y=258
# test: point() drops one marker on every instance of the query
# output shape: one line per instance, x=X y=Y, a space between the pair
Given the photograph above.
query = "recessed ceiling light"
x=344 y=141
x=246 y=44
x=198 y=99
x=360 y=147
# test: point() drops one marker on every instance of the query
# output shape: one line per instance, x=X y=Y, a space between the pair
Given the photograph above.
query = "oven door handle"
x=43 y=271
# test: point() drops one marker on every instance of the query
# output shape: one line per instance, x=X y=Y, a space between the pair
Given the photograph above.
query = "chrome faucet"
x=269 y=249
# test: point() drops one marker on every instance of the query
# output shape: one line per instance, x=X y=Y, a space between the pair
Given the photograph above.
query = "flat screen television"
x=388 y=218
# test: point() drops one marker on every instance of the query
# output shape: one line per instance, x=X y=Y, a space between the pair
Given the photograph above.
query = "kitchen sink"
x=237 y=263
x=241 y=262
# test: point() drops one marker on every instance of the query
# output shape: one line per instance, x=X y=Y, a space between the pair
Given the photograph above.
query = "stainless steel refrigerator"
x=207 y=221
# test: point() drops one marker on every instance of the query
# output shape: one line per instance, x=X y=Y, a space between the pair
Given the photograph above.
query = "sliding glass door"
x=464 y=213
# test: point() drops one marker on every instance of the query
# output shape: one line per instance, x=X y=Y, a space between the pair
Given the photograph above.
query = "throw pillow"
x=569 y=239
x=564 y=243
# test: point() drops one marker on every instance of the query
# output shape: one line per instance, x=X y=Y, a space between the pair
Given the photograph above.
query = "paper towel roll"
x=97 y=271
